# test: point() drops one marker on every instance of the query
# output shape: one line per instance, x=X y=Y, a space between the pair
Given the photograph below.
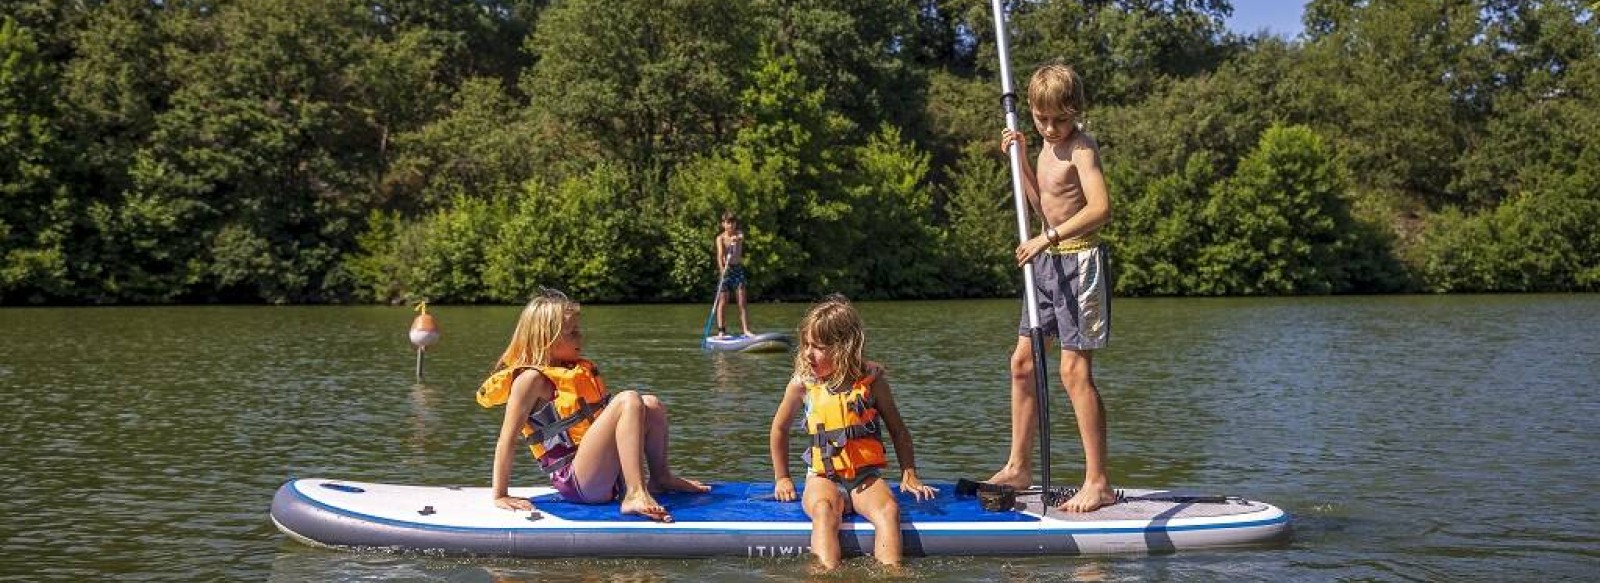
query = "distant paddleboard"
x=767 y=342
x=742 y=519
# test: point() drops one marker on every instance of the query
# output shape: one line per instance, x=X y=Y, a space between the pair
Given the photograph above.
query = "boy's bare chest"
x=1058 y=181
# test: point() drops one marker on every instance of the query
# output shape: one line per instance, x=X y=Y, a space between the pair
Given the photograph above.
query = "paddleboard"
x=764 y=342
x=742 y=519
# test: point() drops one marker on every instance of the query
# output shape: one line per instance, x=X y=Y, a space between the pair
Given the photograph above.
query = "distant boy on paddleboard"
x=730 y=263
x=1068 y=190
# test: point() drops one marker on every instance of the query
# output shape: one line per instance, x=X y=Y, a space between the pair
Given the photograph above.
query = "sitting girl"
x=844 y=397
x=594 y=445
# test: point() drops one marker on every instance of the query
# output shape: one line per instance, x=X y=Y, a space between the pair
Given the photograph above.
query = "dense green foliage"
x=475 y=150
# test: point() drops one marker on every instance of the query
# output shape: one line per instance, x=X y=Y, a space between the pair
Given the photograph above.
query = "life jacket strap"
x=861 y=406
x=838 y=437
x=550 y=429
x=831 y=443
x=821 y=444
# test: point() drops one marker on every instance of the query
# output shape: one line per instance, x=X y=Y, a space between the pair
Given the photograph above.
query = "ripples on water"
x=1413 y=438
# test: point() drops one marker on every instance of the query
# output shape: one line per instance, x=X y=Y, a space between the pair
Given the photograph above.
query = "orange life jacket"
x=554 y=431
x=843 y=424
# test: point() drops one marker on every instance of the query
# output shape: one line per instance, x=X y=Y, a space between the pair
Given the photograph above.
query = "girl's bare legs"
x=826 y=507
x=874 y=500
x=615 y=444
x=655 y=451
x=744 y=317
x=1018 y=471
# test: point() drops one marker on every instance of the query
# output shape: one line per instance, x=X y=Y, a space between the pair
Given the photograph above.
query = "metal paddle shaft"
x=1008 y=100
x=722 y=277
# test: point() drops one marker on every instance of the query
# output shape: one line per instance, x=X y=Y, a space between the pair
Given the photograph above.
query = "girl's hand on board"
x=513 y=503
x=783 y=490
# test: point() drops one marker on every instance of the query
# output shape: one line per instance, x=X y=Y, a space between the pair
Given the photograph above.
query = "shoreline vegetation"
x=287 y=152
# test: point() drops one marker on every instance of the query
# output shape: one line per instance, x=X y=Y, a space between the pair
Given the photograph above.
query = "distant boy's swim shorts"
x=734 y=279
x=1074 y=293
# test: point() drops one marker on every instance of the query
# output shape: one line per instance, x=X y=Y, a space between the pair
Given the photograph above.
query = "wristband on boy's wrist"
x=1052 y=235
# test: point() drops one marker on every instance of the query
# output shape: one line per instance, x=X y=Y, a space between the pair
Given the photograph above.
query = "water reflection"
x=723 y=377
x=423 y=416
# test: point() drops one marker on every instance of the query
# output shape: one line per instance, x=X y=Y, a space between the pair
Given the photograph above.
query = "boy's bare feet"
x=1089 y=498
x=1019 y=478
x=642 y=504
x=677 y=484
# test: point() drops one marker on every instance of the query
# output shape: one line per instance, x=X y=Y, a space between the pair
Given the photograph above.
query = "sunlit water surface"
x=1412 y=438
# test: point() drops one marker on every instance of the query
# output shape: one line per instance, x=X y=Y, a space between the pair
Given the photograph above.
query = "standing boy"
x=1067 y=189
x=730 y=263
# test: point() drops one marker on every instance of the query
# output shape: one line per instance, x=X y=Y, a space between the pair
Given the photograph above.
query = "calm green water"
x=1413 y=438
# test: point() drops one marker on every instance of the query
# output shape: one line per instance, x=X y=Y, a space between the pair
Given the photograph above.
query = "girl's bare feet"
x=642 y=504
x=676 y=484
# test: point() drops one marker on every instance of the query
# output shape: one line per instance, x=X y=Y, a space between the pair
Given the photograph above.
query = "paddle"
x=722 y=277
x=969 y=488
x=1008 y=100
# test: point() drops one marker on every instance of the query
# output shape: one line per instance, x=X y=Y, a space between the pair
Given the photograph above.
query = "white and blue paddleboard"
x=764 y=342
x=743 y=520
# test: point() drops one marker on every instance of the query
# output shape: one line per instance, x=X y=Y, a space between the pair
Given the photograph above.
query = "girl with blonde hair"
x=594 y=445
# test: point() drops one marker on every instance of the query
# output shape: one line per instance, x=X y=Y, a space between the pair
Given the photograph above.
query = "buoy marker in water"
x=424 y=333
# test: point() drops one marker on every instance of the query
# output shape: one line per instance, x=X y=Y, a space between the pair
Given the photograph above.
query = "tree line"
x=289 y=151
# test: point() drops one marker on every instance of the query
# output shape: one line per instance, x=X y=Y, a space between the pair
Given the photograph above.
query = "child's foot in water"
x=819 y=568
x=642 y=504
x=1090 y=498
x=677 y=484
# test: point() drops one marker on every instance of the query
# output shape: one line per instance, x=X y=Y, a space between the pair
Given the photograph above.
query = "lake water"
x=1412 y=438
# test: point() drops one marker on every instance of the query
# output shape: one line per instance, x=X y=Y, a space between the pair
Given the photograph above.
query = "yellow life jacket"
x=554 y=430
x=843 y=424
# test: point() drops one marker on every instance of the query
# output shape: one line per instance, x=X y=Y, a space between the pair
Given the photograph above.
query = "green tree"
x=34 y=207
x=273 y=142
x=979 y=247
x=1158 y=226
x=648 y=85
x=1541 y=99
x=696 y=197
x=485 y=146
x=1397 y=85
x=777 y=175
x=1542 y=240
x=575 y=237
x=1279 y=225
x=883 y=244
x=854 y=52
x=1121 y=48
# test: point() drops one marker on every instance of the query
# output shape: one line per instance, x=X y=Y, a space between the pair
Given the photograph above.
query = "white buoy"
x=424 y=333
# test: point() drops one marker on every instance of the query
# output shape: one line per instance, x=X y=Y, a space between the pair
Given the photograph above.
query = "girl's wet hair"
x=537 y=328
x=833 y=325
